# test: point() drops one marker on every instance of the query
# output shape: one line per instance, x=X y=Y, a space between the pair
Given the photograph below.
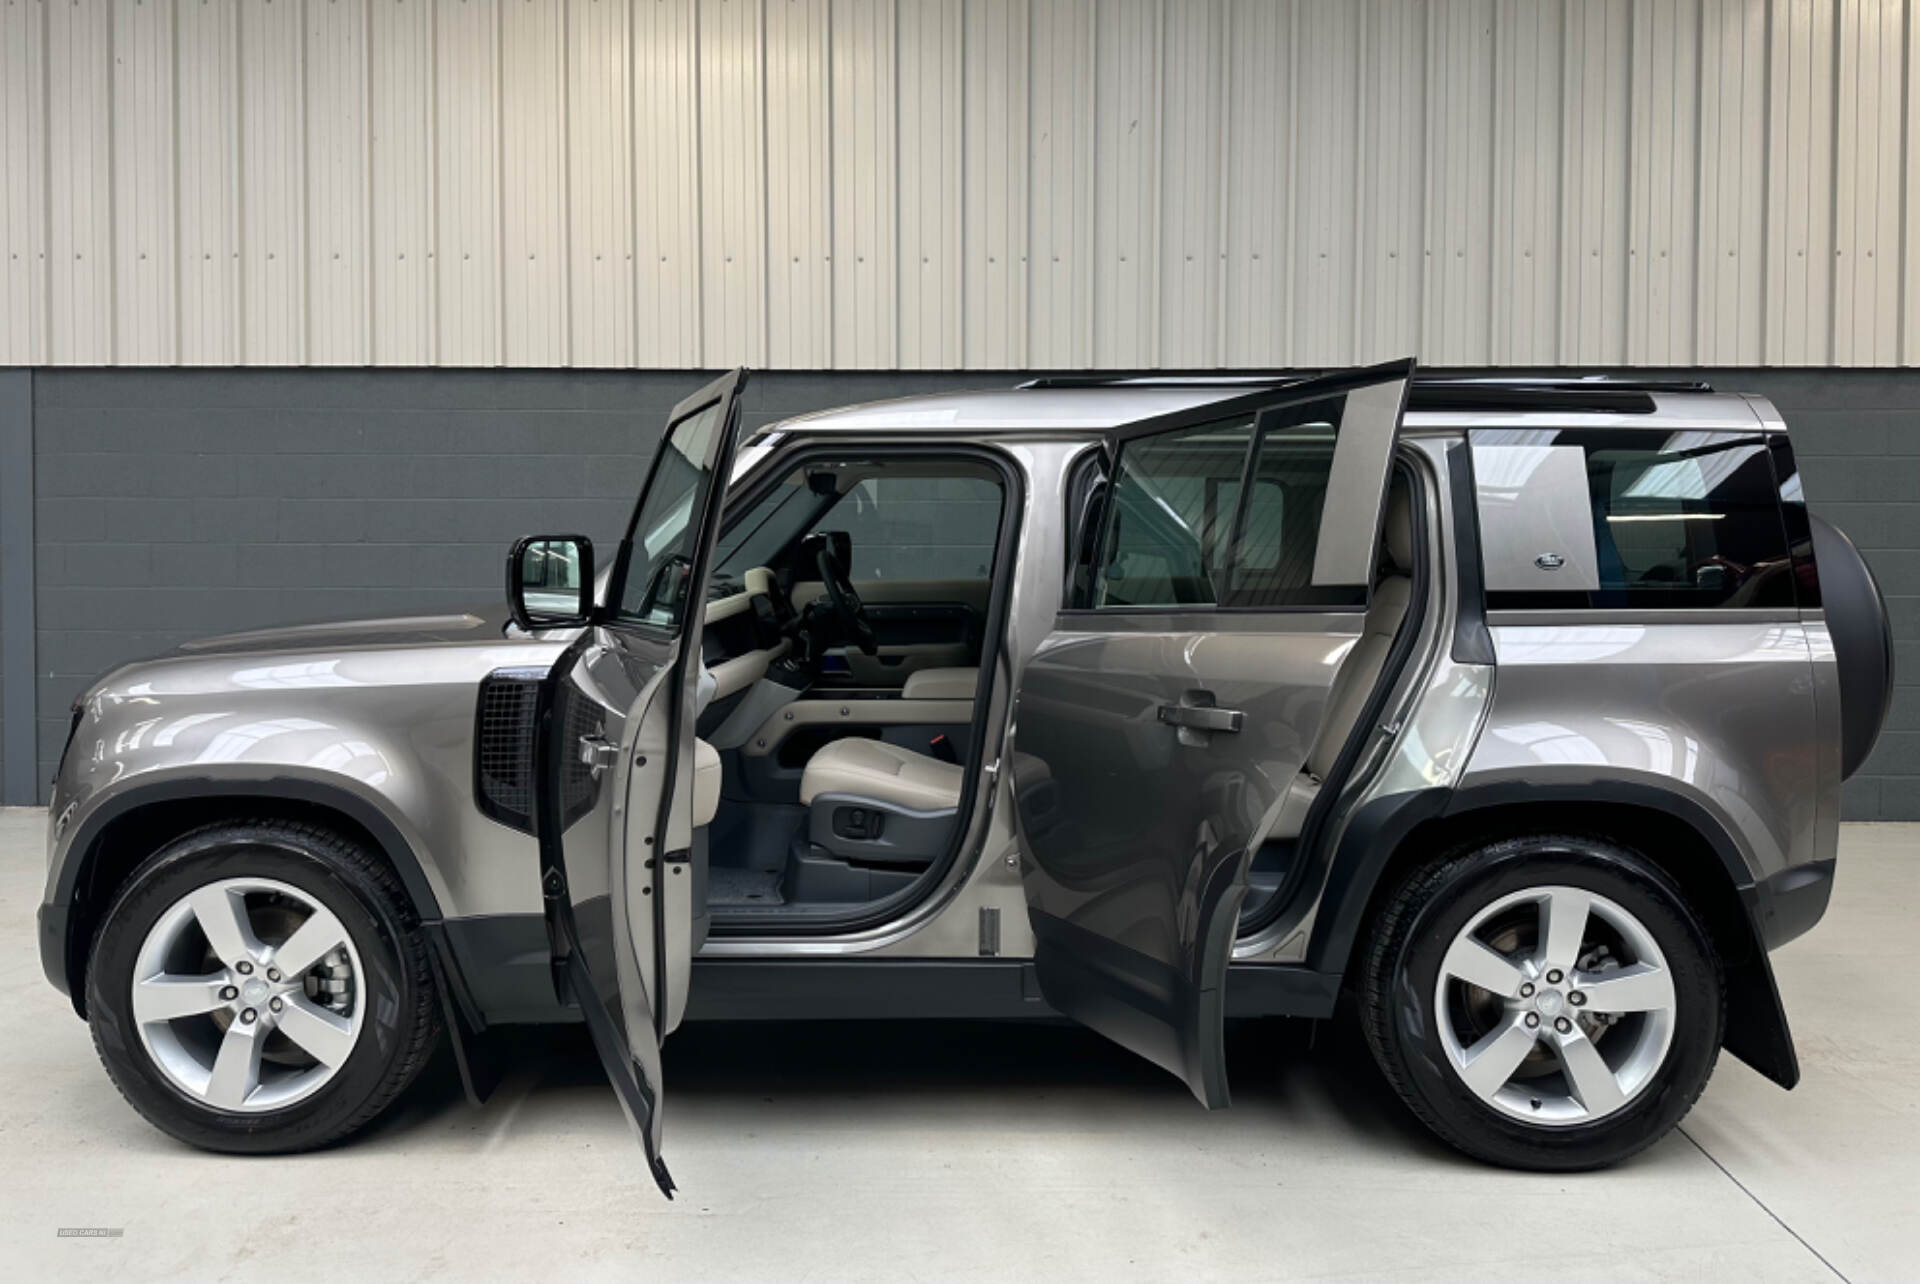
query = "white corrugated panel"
x=669 y=302
x=799 y=216
x=599 y=206
x=23 y=206
x=404 y=181
x=732 y=214
x=273 y=172
x=338 y=182
x=994 y=278
x=466 y=252
x=864 y=144
x=959 y=183
x=143 y=178
x=930 y=183
x=533 y=182
x=79 y=179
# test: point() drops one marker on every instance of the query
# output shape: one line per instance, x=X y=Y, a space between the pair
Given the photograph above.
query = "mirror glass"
x=550 y=579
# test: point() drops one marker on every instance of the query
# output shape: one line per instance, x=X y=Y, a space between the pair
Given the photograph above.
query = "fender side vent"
x=503 y=746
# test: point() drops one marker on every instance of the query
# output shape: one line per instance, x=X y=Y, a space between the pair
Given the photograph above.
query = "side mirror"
x=550 y=582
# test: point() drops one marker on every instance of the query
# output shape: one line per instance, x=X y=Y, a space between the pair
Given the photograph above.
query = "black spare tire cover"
x=1862 y=640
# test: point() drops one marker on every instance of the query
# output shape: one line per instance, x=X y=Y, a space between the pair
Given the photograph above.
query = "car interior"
x=846 y=616
x=845 y=619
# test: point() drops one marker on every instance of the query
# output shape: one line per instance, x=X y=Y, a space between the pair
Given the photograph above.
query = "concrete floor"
x=900 y=1152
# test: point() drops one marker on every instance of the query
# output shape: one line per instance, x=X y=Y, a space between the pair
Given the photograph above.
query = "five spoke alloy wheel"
x=246 y=994
x=1555 y=1005
x=1545 y=1001
x=261 y=986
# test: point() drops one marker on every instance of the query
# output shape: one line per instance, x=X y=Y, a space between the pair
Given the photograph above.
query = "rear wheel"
x=260 y=988
x=1546 y=1002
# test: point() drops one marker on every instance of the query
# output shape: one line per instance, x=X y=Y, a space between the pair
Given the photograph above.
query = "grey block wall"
x=169 y=504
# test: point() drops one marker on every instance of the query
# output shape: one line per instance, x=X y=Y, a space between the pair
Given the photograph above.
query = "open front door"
x=1165 y=725
x=614 y=799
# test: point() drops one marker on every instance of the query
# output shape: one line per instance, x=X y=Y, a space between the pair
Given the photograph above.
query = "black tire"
x=401 y=1014
x=1401 y=970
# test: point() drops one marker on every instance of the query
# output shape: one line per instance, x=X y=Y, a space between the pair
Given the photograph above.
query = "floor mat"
x=743 y=886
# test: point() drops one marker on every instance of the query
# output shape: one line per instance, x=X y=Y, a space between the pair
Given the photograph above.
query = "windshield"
x=769 y=526
x=654 y=589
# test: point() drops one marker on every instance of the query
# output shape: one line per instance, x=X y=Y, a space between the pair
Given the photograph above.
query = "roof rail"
x=1593 y=393
x=1228 y=379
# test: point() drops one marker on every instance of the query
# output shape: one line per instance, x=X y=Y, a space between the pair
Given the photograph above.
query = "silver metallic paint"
x=384 y=710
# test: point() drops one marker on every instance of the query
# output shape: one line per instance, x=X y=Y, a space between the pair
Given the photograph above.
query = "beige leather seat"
x=883 y=772
x=706 y=783
x=941 y=684
x=1356 y=679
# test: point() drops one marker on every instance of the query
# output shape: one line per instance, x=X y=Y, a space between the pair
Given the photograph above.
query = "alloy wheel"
x=246 y=994
x=1555 y=1005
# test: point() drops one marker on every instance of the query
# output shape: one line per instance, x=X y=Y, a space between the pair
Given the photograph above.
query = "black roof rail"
x=1592 y=393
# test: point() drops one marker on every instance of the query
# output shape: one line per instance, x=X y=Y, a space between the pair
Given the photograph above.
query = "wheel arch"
x=1390 y=837
x=124 y=830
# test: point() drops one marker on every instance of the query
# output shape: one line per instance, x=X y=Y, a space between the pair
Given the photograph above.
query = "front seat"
x=879 y=803
x=1358 y=676
x=883 y=772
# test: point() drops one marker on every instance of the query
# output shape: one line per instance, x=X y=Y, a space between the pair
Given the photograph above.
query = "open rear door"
x=614 y=740
x=1163 y=726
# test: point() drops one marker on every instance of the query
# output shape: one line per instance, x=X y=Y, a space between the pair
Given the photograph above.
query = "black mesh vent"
x=503 y=772
x=503 y=748
x=584 y=718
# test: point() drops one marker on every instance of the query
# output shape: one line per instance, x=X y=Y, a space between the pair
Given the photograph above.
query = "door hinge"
x=597 y=754
x=992 y=772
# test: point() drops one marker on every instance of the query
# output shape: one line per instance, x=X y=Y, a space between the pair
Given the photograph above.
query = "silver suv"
x=1514 y=713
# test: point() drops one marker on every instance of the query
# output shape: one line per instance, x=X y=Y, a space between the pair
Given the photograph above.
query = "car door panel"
x=614 y=740
x=1154 y=747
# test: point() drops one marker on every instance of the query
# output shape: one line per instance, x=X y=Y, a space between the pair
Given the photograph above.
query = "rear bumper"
x=1791 y=901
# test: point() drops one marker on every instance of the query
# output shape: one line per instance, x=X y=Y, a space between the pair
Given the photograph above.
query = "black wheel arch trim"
x=1757 y=1031
x=60 y=955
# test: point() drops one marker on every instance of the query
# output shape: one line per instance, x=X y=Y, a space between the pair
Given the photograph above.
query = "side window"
x=919 y=529
x=1575 y=518
x=1179 y=535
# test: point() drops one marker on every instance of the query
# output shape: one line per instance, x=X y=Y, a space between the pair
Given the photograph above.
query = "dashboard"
x=746 y=631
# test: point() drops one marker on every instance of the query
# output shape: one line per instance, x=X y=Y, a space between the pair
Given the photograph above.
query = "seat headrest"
x=1397 y=538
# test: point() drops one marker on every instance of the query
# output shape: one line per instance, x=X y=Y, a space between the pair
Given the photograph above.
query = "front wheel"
x=1545 y=1002
x=261 y=988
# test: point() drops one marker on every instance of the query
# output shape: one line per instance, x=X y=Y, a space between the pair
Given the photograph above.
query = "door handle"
x=1201 y=717
x=597 y=754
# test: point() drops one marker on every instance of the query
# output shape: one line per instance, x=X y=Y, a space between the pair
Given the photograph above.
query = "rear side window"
x=1179 y=534
x=1635 y=519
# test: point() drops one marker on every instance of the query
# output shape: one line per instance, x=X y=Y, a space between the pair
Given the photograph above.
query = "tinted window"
x=1178 y=533
x=662 y=533
x=919 y=529
x=1687 y=519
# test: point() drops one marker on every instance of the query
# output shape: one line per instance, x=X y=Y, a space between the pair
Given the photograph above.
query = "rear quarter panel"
x=1717 y=707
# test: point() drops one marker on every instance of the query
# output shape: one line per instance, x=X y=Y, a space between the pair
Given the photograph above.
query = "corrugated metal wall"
x=940 y=183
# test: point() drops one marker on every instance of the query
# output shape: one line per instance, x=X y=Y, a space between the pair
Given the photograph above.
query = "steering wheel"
x=844 y=599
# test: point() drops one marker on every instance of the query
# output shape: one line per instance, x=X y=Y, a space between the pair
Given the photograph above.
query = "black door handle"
x=1201 y=717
